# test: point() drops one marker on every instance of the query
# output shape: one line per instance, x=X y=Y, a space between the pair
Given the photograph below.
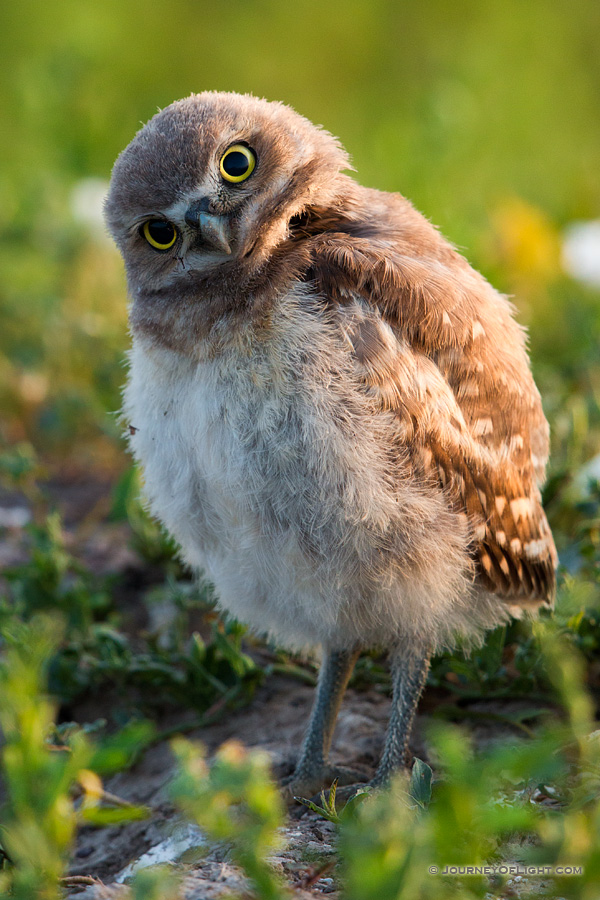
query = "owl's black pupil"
x=161 y=232
x=236 y=164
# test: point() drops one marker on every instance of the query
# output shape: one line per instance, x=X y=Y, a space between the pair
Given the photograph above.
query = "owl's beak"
x=214 y=230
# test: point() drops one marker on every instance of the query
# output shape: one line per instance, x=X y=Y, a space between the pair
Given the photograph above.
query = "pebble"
x=318 y=847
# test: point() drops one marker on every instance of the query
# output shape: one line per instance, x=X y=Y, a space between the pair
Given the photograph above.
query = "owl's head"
x=213 y=181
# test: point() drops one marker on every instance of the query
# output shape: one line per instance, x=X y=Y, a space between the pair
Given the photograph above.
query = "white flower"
x=86 y=202
x=581 y=251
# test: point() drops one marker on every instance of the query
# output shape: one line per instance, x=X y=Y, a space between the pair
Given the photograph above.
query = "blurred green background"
x=486 y=115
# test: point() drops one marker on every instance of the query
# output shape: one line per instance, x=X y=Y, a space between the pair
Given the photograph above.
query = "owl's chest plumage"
x=269 y=465
x=193 y=434
x=220 y=439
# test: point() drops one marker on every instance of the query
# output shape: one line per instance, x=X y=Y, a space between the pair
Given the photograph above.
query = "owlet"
x=334 y=412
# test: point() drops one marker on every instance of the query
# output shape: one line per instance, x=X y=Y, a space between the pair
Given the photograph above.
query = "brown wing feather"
x=440 y=348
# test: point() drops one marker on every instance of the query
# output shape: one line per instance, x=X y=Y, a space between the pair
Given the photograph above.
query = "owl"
x=334 y=412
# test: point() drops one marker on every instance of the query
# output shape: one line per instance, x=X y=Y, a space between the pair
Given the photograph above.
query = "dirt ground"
x=274 y=721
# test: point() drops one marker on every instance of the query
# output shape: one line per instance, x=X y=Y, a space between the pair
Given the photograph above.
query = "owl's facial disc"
x=214 y=230
x=207 y=189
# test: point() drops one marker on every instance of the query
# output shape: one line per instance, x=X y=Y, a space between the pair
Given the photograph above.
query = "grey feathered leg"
x=312 y=770
x=409 y=673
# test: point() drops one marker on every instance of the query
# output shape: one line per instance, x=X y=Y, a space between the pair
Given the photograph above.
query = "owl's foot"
x=348 y=792
x=350 y=784
x=308 y=784
x=343 y=795
x=345 y=791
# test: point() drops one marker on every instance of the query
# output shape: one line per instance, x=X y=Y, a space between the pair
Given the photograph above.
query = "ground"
x=275 y=721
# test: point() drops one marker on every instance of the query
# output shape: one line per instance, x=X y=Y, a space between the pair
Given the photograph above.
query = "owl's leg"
x=409 y=674
x=312 y=771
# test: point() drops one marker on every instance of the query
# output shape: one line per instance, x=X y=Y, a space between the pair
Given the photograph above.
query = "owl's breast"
x=191 y=456
x=275 y=471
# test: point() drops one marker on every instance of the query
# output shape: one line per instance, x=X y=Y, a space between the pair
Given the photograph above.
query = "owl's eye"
x=237 y=163
x=160 y=234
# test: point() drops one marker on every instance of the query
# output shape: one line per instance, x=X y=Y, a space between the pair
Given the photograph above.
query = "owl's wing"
x=438 y=346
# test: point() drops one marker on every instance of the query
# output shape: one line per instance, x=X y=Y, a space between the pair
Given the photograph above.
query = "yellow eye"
x=160 y=234
x=237 y=163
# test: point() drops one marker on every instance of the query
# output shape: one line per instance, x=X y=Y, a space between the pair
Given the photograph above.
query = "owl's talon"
x=310 y=786
x=346 y=793
x=342 y=796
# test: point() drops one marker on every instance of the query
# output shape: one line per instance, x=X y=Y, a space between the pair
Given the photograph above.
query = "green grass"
x=481 y=810
x=95 y=655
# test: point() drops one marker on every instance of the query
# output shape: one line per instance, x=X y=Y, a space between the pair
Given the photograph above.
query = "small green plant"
x=327 y=809
x=156 y=883
x=39 y=820
x=234 y=801
x=148 y=538
x=53 y=580
x=42 y=779
x=419 y=787
x=168 y=666
x=20 y=470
